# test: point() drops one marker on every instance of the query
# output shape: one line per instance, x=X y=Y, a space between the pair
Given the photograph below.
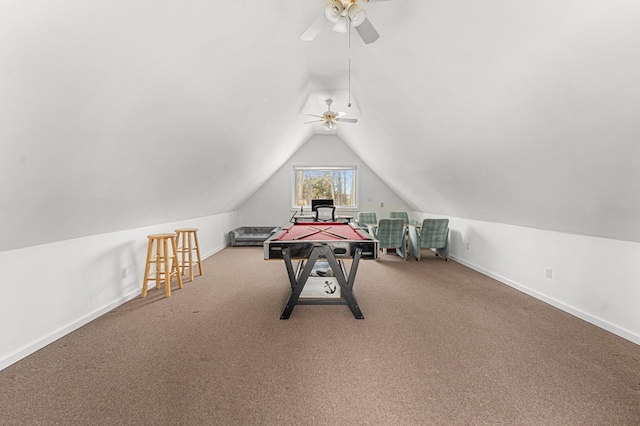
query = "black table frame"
x=298 y=279
x=309 y=218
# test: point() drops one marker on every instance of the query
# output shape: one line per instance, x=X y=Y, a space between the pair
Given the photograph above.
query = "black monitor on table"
x=320 y=202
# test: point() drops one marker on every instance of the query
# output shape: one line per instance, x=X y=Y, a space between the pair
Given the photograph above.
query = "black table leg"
x=298 y=282
x=347 y=285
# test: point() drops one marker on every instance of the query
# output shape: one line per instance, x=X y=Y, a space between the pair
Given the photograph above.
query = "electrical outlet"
x=124 y=273
x=548 y=273
x=467 y=246
x=381 y=203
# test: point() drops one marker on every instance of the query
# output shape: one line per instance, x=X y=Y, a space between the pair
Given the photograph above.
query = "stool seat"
x=161 y=249
x=160 y=236
x=189 y=251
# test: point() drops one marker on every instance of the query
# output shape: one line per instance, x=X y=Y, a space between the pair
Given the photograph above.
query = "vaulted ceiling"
x=121 y=114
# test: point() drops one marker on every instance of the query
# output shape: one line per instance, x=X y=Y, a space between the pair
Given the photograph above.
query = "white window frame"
x=297 y=168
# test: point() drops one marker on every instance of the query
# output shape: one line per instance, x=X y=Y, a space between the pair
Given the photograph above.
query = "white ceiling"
x=122 y=114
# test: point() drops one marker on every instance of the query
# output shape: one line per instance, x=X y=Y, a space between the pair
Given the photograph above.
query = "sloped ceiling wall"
x=123 y=114
x=512 y=112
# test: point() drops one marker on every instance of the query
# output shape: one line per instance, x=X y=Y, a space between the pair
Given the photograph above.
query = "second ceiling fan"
x=342 y=13
x=331 y=118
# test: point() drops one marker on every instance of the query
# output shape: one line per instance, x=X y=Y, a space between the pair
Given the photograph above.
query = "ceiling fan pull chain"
x=349 y=100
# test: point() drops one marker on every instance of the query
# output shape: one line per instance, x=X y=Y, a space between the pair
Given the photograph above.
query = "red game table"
x=310 y=241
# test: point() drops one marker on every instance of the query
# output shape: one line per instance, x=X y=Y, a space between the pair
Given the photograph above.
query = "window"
x=337 y=183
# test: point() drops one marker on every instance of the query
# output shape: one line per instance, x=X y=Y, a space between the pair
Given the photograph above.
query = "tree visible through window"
x=338 y=184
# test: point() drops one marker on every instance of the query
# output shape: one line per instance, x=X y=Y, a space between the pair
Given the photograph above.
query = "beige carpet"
x=440 y=345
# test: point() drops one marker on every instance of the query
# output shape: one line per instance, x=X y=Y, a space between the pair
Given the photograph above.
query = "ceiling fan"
x=331 y=118
x=341 y=13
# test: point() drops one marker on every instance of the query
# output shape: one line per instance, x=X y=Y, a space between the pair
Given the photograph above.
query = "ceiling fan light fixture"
x=341 y=25
x=334 y=11
x=330 y=118
x=328 y=125
x=356 y=14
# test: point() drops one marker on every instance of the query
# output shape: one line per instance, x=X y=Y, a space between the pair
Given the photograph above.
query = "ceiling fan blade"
x=340 y=114
x=313 y=115
x=367 y=32
x=315 y=29
x=313 y=121
x=348 y=120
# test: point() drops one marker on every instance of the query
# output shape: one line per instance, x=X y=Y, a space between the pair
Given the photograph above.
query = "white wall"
x=271 y=204
x=595 y=279
x=52 y=289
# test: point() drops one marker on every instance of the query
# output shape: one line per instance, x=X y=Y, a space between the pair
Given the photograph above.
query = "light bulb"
x=341 y=25
x=333 y=11
x=329 y=125
x=357 y=14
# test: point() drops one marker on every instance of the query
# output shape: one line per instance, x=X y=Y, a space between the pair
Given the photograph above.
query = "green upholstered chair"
x=367 y=218
x=390 y=234
x=402 y=215
x=434 y=234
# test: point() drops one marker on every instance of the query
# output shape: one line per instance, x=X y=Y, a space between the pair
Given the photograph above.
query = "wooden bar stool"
x=165 y=250
x=187 y=245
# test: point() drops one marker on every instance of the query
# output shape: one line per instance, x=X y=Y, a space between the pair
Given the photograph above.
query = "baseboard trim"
x=27 y=350
x=598 y=322
x=39 y=344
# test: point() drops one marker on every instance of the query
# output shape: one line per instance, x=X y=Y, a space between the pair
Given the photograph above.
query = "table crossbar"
x=299 y=277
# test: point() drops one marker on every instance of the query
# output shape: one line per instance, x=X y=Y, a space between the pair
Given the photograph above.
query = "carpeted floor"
x=440 y=345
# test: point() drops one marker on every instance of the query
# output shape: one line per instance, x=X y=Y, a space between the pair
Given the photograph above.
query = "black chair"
x=325 y=214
